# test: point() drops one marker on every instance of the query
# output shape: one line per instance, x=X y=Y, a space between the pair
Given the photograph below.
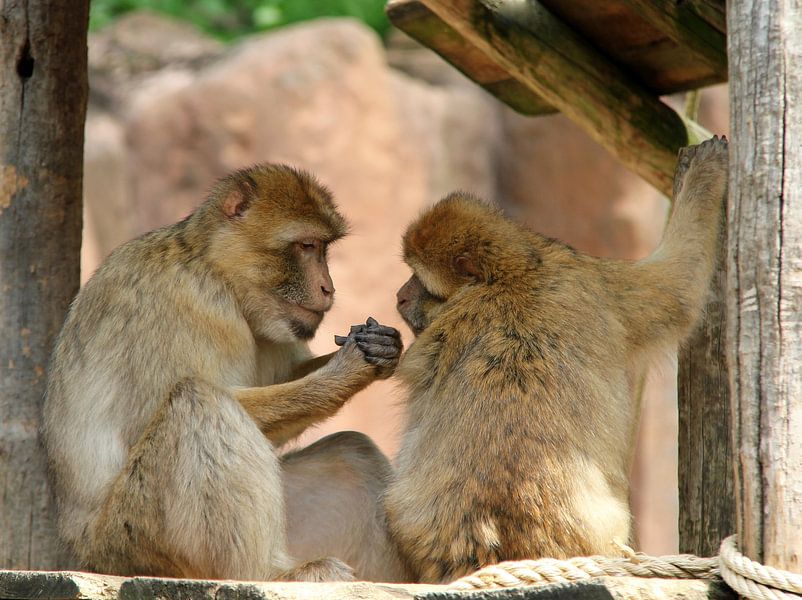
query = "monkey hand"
x=706 y=161
x=380 y=345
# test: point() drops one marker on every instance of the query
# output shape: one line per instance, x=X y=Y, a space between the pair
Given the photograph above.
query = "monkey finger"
x=384 y=350
x=340 y=339
x=383 y=330
x=356 y=328
x=374 y=338
x=371 y=322
x=377 y=351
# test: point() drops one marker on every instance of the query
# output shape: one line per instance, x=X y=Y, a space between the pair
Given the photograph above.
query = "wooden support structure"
x=43 y=90
x=637 y=44
x=765 y=276
x=549 y=58
x=685 y=26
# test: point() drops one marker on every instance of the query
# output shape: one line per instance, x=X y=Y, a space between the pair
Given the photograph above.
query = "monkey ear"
x=239 y=198
x=465 y=266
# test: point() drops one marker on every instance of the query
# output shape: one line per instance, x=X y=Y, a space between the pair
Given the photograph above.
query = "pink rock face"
x=322 y=97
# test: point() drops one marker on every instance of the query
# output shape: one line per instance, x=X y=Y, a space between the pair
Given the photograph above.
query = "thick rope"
x=754 y=580
x=747 y=577
x=548 y=570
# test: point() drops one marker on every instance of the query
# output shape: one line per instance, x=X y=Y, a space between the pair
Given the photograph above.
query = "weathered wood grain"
x=764 y=311
x=706 y=496
x=43 y=91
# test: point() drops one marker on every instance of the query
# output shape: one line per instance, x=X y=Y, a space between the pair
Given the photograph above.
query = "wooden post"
x=43 y=90
x=764 y=307
x=706 y=497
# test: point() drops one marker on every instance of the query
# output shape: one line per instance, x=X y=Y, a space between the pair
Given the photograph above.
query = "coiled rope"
x=748 y=578
x=754 y=580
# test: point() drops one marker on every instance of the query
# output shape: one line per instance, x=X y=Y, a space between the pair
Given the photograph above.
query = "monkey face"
x=416 y=305
x=277 y=223
x=306 y=287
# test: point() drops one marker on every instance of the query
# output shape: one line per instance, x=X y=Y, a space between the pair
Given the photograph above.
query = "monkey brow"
x=330 y=239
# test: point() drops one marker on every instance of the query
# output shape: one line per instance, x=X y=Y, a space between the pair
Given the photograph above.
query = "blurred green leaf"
x=230 y=19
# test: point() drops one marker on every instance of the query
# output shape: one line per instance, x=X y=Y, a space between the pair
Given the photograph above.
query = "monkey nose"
x=327 y=290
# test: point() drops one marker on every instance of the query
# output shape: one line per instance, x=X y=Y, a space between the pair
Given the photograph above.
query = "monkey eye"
x=309 y=244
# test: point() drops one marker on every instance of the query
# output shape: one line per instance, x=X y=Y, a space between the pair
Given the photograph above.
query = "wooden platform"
x=73 y=585
x=603 y=64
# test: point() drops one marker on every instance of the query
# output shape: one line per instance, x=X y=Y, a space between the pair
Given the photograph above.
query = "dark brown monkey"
x=521 y=403
x=179 y=363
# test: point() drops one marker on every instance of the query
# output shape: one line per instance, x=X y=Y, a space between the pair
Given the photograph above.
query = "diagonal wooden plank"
x=417 y=21
x=536 y=48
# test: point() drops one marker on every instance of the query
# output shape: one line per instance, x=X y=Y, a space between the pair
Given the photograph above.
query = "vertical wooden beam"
x=43 y=90
x=706 y=497
x=765 y=276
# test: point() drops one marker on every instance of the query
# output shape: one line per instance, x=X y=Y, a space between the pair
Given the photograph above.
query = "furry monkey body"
x=179 y=363
x=522 y=380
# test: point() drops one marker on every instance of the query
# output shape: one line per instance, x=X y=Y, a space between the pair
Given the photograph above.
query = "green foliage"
x=229 y=19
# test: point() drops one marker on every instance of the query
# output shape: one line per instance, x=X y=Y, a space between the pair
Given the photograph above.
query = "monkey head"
x=275 y=227
x=460 y=241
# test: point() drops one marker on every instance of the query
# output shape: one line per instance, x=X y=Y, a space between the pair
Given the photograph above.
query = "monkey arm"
x=310 y=365
x=285 y=410
x=663 y=296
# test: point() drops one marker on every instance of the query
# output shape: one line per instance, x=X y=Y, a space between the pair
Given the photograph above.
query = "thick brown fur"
x=522 y=380
x=179 y=363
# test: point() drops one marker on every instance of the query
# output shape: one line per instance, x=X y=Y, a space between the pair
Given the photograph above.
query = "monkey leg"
x=333 y=490
x=200 y=496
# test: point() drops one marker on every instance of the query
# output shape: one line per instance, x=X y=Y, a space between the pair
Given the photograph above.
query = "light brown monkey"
x=334 y=492
x=179 y=363
x=521 y=403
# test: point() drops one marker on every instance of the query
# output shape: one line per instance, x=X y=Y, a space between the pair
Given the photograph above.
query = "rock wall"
x=389 y=130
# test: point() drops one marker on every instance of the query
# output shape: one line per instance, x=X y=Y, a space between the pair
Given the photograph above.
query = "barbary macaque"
x=182 y=364
x=522 y=380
